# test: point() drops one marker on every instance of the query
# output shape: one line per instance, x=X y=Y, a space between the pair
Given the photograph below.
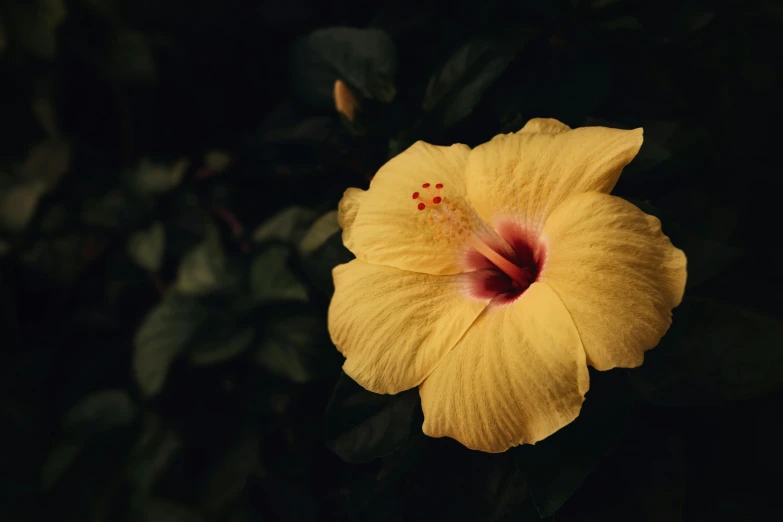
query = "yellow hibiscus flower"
x=491 y=278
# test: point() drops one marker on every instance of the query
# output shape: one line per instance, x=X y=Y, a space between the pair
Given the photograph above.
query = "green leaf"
x=18 y=204
x=322 y=229
x=319 y=264
x=660 y=479
x=208 y=329
x=206 y=269
x=713 y=353
x=654 y=151
x=35 y=24
x=117 y=208
x=146 y=247
x=164 y=334
x=708 y=259
x=364 y=58
x=148 y=460
x=229 y=477
x=96 y=414
x=623 y=23
x=288 y=499
x=131 y=58
x=151 y=455
x=97 y=469
x=289 y=225
x=505 y=491
x=216 y=161
x=39 y=173
x=152 y=177
x=555 y=467
x=219 y=341
x=458 y=85
x=295 y=346
x=565 y=84
x=291 y=130
x=671 y=149
x=9 y=319
x=106 y=8
x=362 y=426
x=160 y=510
x=46 y=164
x=767 y=452
x=272 y=280
x=708 y=214
x=598 y=4
x=61 y=458
x=60 y=258
x=99 y=412
x=691 y=18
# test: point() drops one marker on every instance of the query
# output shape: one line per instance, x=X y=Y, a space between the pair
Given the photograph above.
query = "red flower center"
x=494 y=271
x=491 y=281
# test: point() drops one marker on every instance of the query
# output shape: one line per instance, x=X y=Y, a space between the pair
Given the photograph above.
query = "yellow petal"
x=525 y=176
x=394 y=326
x=517 y=376
x=617 y=273
x=545 y=126
x=383 y=226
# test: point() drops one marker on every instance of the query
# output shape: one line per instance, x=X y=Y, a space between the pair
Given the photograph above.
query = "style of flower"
x=491 y=278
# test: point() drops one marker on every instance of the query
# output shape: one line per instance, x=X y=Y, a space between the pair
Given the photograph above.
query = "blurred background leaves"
x=169 y=174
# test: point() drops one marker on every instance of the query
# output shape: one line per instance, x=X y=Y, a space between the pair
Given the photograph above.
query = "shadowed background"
x=169 y=173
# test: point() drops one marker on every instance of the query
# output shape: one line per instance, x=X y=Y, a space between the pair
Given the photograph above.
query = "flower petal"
x=394 y=326
x=383 y=226
x=545 y=126
x=517 y=376
x=525 y=176
x=616 y=272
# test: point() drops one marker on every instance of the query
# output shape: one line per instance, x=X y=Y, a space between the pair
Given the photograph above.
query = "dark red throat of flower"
x=495 y=272
x=503 y=278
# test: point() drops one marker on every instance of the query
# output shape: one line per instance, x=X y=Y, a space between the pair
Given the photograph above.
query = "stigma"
x=455 y=222
x=431 y=199
x=447 y=219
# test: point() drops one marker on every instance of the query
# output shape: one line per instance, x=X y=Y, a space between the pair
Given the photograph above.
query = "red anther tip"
x=415 y=195
x=439 y=186
x=426 y=185
x=422 y=206
x=436 y=199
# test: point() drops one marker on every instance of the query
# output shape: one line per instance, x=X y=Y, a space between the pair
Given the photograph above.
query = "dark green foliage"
x=366 y=59
x=362 y=426
x=714 y=352
x=555 y=467
x=169 y=174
